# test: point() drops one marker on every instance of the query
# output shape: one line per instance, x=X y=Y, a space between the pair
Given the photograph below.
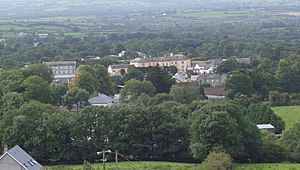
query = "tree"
x=218 y=161
x=227 y=66
x=185 y=93
x=76 y=96
x=263 y=114
x=42 y=131
x=86 y=78
x=40 y=70
x=288 y=74
x=91 y=127
x=11 y=101
x=238 y=82
x=152 y=133
x=36 y=88
x=222 y=124
x=11 y=81
x=134 y=88
x=119 y=48
x=273 y=152
x=58 y=91
x=291 y=139
x=161 y=80
x=104 y=83
x=134 y=73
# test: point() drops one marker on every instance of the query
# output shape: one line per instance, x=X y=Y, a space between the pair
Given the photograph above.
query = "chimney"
x=5 y=148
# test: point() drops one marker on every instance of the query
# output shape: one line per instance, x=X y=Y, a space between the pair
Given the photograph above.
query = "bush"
x=218 y=161
x=279 y=99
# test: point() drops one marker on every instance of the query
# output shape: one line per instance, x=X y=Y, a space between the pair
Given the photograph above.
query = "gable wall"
x=8 y=163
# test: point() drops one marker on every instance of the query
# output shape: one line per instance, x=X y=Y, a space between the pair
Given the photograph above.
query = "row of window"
x=64 y=72
x=63 y=67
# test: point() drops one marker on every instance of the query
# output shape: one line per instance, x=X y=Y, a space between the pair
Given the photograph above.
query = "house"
x=180 y=78
x=215 y=93
x=17 y=159
x=63 y=71
x=42 y=36
x=267 y=127
x=203 y=69
x=214 y=80
x=243 y=60
x=103 y=100
x=119 y=69
x=181 y=62
x=2 y=40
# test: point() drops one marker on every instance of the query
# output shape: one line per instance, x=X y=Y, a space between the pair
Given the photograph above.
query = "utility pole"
x=103 y=158
x=106 y=141
x=117 y=168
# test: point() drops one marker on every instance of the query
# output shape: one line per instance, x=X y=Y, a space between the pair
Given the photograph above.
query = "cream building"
x=181 y=62
x=118 y=69
x=63 y=71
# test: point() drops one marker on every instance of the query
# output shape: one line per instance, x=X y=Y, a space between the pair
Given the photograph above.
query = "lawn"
x=173 y=166
x=290 y=114
x=132 y=166
x=268 y=167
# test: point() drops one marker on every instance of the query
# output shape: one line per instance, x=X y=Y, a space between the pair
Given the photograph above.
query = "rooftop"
x=56 y=63
x=23 y=158
x=215 y=91
x=176 y=57
x=102 y=99
x=265 y=126
x=119 y=66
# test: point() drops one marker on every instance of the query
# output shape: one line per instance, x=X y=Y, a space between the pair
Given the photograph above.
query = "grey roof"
x=265 y=126
x=102 y=99
x=244 y=60
x=60 y=63
x=176 y=57
x=119 y=66
x=23 y=158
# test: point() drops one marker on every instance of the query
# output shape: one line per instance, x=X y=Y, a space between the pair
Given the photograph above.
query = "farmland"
x=290 y=114
x=174 y=166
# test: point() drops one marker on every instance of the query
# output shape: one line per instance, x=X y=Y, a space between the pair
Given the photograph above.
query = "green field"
x=133 y=166
x=174 y=166
x=290 y=114
x=268 y=167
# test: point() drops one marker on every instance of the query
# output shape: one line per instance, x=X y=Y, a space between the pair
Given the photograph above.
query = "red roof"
x=215 y=91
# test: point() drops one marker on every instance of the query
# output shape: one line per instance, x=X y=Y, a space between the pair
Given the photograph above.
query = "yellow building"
x=181 y=62
x=118 y=69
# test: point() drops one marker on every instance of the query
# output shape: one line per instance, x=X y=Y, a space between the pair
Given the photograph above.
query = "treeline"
x=157 y=128
x=273 y=80
x=221 y=41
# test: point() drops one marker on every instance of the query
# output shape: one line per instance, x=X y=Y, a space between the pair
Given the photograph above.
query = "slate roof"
x=119 y=66
x=60 y=63
x=23 y=158
x=215 y=91
x=177 y=57
x=102 y=99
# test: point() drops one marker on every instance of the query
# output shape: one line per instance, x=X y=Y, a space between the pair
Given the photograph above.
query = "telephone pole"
x=117 y=167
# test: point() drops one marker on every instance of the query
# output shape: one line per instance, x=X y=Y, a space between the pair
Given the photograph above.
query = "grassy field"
x=132 y=166
x=268 y=167
x=174 y=166
x=290 y=114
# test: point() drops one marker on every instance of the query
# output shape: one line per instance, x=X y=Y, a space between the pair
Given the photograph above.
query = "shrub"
x=218 y=161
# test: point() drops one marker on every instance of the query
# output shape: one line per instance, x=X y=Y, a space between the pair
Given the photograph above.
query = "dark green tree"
x=36 y=88
x=161 y=80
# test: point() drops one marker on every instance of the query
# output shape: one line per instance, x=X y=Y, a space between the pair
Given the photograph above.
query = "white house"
x=17 y=159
